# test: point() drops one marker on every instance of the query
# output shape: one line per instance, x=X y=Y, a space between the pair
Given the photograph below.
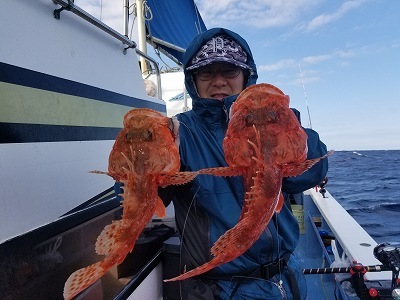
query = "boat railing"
x=69 y=5
x=156 y=68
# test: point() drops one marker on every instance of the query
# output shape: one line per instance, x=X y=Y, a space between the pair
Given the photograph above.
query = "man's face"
x=218 y=80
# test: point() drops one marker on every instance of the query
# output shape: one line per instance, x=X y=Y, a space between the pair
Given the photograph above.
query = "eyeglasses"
x=206 y=74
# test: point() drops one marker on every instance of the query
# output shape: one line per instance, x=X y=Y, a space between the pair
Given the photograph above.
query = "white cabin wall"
x=31 y=192
x=79 y=51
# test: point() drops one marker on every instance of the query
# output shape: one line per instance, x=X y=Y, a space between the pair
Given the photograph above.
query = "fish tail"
x=232 y=243
x=196 y=271
x=106 y=244
x=83 y=278
x=223 y=251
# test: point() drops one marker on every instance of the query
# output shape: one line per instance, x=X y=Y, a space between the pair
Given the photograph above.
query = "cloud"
x=317 y=58
x=325 y=19
x=279 y=65
x=324 y=57
x=308 y=60
x=109 y=12
x=229 y=13
x=395 y=44
x=257 y=13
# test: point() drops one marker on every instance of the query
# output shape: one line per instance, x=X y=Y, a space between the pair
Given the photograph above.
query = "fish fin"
x=194 y=272
x=294 y=169
x=177 y=178
x=99 y=172
x=82 y=278
x=280 y=203
x=220 y=171
x=160 y=208
x=108 y=237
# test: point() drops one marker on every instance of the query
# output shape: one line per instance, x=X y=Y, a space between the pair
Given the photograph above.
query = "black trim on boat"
x=108 y=194
x=139 y=277
x=41 y=234
x=21 y=76
x=36 y=133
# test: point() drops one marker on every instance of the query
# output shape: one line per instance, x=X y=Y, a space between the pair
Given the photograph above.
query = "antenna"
x=305 y=97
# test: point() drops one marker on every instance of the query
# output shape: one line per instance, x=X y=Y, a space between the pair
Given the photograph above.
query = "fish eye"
x=128 y=136
x=144 y=135
x=147 y=135
x=271 y=117
x=249 y=120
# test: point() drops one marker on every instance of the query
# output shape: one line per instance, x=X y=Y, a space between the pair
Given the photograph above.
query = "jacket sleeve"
x=313 y=176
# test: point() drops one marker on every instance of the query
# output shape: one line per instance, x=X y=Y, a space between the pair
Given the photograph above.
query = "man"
x=218 y=65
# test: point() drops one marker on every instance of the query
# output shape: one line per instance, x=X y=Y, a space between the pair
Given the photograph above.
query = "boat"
x=66 y=81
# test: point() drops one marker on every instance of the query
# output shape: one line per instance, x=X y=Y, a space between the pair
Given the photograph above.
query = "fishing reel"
x=389 y=256
x=322 y=186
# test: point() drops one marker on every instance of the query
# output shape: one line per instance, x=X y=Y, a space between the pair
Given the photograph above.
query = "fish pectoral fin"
x=99 y=172
x=177 y=178
x=184 y=177
x=160 y=208
x=279 y=205
x=295 y=169
x=220 y=171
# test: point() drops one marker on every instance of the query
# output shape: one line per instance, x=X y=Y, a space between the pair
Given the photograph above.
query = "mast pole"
x=126 y=16
x=142 y=34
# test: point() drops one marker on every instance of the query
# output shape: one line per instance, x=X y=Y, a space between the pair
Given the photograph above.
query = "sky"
x=338 y=60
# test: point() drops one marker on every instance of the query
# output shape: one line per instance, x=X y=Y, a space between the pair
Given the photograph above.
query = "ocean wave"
x=359 y=154
x=376 y=207
x=366 y=184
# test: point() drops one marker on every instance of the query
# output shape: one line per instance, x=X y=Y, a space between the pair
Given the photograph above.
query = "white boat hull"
x=65 y=87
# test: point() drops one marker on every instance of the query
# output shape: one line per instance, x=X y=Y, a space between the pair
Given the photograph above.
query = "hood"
x=195 y=46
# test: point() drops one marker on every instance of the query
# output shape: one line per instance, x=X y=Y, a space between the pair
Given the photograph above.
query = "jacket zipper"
x=226 y=118
x=226 y=113
x=279 y=285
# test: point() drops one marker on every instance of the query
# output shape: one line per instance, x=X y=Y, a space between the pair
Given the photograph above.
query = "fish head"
x=145 y=145
x=265 y=109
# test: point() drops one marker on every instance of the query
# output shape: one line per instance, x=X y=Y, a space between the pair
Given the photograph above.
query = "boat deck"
x=312 y=253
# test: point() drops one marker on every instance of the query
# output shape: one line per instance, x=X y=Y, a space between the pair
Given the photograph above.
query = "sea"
x=367 y=185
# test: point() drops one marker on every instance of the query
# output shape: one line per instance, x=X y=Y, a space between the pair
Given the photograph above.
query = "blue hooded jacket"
x=208 y=206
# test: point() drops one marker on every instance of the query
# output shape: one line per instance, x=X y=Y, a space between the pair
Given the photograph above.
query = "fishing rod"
x=388 y=255
x=305 y=97
x=353 y=268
